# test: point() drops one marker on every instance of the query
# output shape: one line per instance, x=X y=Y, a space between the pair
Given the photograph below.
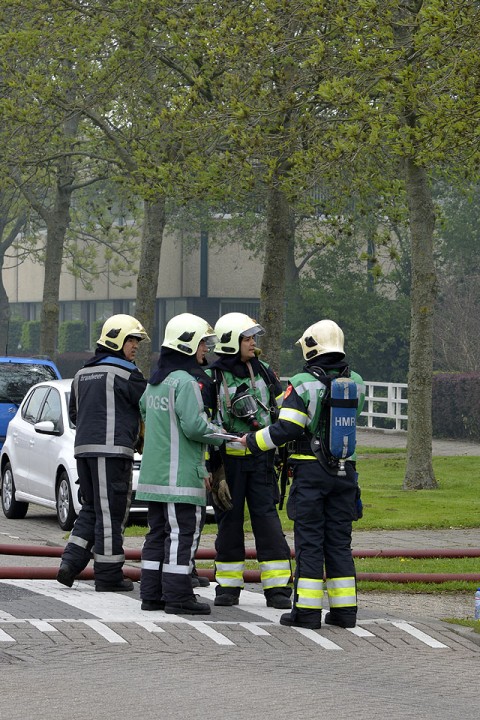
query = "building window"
x=249 y=307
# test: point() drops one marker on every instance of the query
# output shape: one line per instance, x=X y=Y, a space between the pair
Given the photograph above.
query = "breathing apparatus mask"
x=245 y=406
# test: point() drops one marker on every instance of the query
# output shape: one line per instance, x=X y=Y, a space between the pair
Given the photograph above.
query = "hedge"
x=30 y=341
x=72 y=336
x=456 y=405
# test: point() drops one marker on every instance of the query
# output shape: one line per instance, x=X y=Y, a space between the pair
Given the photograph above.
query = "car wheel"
x=12 y=509
x=65 y=511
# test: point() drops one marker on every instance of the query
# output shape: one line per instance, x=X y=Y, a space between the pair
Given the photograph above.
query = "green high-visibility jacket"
x=176 y=434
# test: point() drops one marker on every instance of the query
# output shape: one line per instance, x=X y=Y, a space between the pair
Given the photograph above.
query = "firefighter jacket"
x=300 y=411
x=176 y=433
x=104 y=406
x=231 y=380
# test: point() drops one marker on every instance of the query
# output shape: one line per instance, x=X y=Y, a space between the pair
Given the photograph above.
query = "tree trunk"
x=419 y=471
x=4 y=314
x=57 y=224
x=147 y=283
x=272 y=294
x=7 y=238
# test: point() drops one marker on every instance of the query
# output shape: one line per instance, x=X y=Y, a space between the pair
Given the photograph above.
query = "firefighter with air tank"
x=323 y=499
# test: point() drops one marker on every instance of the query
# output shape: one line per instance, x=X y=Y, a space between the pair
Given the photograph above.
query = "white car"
x=37 y=463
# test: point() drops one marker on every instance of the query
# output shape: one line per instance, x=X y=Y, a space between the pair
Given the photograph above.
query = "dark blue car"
x=17 y=375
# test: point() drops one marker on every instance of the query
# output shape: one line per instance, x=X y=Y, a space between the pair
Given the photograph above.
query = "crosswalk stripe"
x=150 y=626
x=43 y=626
x=211 y=633
x=122 y=608
x=254 y=629
x=105 y=631
x=5 y=637
x=423 y=637
x=360 y=632
x=318 y=639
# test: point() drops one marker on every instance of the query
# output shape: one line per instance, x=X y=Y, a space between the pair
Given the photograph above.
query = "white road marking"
x=4 y=637
x=254 y=629
x=211 y=633
x=150 y=626
x=121 y=608
x=105 y=631
x=110 y=607
x=360 y=632
x=43 y=626
x=423 y=637
x=250 y=601
x=318 y=639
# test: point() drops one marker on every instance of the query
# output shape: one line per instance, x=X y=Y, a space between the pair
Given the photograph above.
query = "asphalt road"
x=76 y=654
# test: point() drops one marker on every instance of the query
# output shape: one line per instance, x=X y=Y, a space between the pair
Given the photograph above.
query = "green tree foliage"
x=376 y=326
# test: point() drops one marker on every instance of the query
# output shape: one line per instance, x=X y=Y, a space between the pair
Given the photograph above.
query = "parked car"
x=17 y=375
x=37 y=464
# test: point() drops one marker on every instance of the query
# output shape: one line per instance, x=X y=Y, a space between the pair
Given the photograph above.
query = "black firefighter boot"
x=342 y=617
x=310 y=619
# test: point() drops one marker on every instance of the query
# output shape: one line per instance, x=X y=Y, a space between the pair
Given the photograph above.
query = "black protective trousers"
x=322 y=507
x=106 y=491
x=251 y=479
x=169 y=550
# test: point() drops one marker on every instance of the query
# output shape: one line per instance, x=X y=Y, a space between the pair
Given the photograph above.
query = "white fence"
x=385 y=405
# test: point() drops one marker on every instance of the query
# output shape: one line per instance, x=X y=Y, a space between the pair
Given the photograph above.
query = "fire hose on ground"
x=250 y=576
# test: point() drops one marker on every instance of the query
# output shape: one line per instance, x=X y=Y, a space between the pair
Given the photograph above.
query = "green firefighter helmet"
x=230 y=328
x=184 y=333
x=321 y=338
x=117 y=328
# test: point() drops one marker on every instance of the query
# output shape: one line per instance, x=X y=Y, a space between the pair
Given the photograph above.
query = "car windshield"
x=17 y=378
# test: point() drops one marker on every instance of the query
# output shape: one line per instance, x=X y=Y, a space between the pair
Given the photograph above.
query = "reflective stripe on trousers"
x=229 y=574
x=309 y=593
x=342 y=592
x=275 y=573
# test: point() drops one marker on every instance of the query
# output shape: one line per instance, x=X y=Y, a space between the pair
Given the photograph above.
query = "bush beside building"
x=456 y=406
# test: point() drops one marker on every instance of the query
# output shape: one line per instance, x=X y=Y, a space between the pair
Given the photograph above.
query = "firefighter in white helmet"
x=104 y=406
x=323 y=499
x=247 y=391
x=173 y=475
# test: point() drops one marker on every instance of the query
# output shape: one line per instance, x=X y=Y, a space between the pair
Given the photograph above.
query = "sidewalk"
x=370 y=437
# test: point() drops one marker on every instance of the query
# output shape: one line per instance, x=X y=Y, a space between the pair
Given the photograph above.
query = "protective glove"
x=220 y=490
x=358 y=504
x=140 y=439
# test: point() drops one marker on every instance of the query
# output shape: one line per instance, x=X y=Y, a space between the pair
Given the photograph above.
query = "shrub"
x=30 y=341
x=69 y=363
x=456 y=405
x=96 y=332
x=15 y=336
x=72 y=336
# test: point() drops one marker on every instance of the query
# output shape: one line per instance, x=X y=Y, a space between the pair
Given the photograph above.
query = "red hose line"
x=250 y=576
x=250 y=553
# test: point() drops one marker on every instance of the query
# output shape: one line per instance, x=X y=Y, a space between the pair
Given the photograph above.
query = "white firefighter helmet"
x=117 y=328
x=230 y=328
x=321 y=338
x=184 y=333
